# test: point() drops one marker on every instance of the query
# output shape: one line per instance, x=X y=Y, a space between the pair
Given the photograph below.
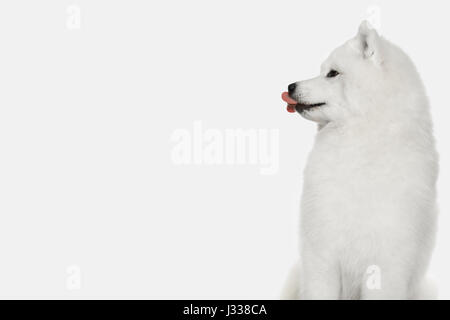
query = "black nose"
x=291 y=87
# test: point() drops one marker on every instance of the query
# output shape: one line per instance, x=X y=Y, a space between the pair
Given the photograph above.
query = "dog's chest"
x=351 y=191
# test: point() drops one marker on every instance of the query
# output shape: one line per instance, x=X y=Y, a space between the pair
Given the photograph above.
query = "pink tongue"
x=286 y=98
x=290 y=108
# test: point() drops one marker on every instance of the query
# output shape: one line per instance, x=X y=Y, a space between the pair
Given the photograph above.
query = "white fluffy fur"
x=369 y=184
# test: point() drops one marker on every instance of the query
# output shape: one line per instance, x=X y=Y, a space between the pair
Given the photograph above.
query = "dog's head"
x=354 y=80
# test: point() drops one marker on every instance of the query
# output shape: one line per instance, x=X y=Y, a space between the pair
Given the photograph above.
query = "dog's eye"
x=332 y=73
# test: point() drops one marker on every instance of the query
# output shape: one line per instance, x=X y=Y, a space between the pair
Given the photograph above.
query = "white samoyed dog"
x=368 y=209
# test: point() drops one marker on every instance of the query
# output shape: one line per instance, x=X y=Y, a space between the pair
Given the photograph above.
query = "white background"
x=86 y=117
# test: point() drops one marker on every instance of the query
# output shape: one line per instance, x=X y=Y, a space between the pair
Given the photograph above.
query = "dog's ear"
x=368 y=42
